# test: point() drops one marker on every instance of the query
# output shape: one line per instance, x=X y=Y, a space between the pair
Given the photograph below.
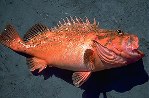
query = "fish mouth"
x=138 y=52
x=134 y=51
x=134 y=55
x=133 y=47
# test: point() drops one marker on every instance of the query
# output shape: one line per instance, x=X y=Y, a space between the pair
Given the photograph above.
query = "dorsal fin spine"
x=35 y=30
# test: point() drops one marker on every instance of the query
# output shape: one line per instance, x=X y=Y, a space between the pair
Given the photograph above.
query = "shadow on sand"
x=118 y=79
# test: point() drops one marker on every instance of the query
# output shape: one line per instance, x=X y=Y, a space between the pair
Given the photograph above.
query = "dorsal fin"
x=34 y=31
x=76 y=24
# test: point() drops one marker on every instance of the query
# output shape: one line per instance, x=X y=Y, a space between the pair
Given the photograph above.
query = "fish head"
x=118 y=48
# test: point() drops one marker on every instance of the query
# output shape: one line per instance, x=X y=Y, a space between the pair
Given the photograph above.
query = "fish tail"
x=10 y=38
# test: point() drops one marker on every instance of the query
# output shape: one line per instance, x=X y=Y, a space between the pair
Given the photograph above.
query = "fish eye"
x=119 y=31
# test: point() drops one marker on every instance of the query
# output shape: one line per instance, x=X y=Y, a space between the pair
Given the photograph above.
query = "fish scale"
x=75 y=45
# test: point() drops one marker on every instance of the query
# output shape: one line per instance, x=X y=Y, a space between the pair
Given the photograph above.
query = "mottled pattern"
x=16 y=81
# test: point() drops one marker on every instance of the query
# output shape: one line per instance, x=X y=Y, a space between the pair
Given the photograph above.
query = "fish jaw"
x=134 y=55
x=131 y=49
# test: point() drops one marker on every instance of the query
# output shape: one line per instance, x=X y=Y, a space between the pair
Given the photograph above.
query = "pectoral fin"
x=89 y=59
x=80 y=77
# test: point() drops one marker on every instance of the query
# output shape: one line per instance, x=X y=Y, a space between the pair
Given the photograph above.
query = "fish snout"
x=133 y=48
x=134 y=42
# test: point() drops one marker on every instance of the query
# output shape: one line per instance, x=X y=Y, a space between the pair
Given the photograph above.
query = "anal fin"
x=80 y=77
x=35 y=63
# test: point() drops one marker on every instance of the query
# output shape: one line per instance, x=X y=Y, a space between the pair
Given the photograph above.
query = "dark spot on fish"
x=89 y=58
x=120 y=32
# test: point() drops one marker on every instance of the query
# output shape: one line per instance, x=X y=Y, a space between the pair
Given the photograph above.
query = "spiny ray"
x=76 y=24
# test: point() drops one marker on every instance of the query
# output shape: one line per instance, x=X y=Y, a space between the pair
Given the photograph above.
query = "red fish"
x=74 y=45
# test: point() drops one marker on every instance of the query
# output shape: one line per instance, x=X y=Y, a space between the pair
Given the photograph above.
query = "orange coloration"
x=74 y=45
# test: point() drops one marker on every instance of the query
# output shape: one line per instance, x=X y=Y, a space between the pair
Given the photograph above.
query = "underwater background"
x=16 y=81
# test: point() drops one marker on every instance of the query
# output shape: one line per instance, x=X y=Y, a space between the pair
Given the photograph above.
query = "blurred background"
x=16 y=81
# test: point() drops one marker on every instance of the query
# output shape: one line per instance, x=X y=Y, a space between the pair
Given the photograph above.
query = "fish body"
x=74 y=45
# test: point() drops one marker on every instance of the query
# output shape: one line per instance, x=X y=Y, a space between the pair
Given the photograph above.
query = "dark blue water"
x=16 y=81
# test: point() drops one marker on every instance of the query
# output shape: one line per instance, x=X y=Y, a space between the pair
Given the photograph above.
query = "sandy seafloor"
x=16 y=81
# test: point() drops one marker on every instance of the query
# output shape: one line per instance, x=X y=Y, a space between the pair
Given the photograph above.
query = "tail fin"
x=11 y=39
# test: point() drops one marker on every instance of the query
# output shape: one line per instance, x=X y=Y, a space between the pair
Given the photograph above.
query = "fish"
x=74 y=44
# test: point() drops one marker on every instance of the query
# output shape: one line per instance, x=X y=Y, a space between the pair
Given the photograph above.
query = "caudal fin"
x=11 y=39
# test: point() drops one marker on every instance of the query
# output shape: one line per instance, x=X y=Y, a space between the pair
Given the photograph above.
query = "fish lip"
x=138 y=52
x=135 y=49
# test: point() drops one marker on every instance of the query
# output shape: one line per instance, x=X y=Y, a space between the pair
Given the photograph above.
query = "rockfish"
x=77 y=45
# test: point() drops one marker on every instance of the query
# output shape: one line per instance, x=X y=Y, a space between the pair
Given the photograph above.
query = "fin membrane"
x=35 y=63
x=34 y=31
x=80 y=77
